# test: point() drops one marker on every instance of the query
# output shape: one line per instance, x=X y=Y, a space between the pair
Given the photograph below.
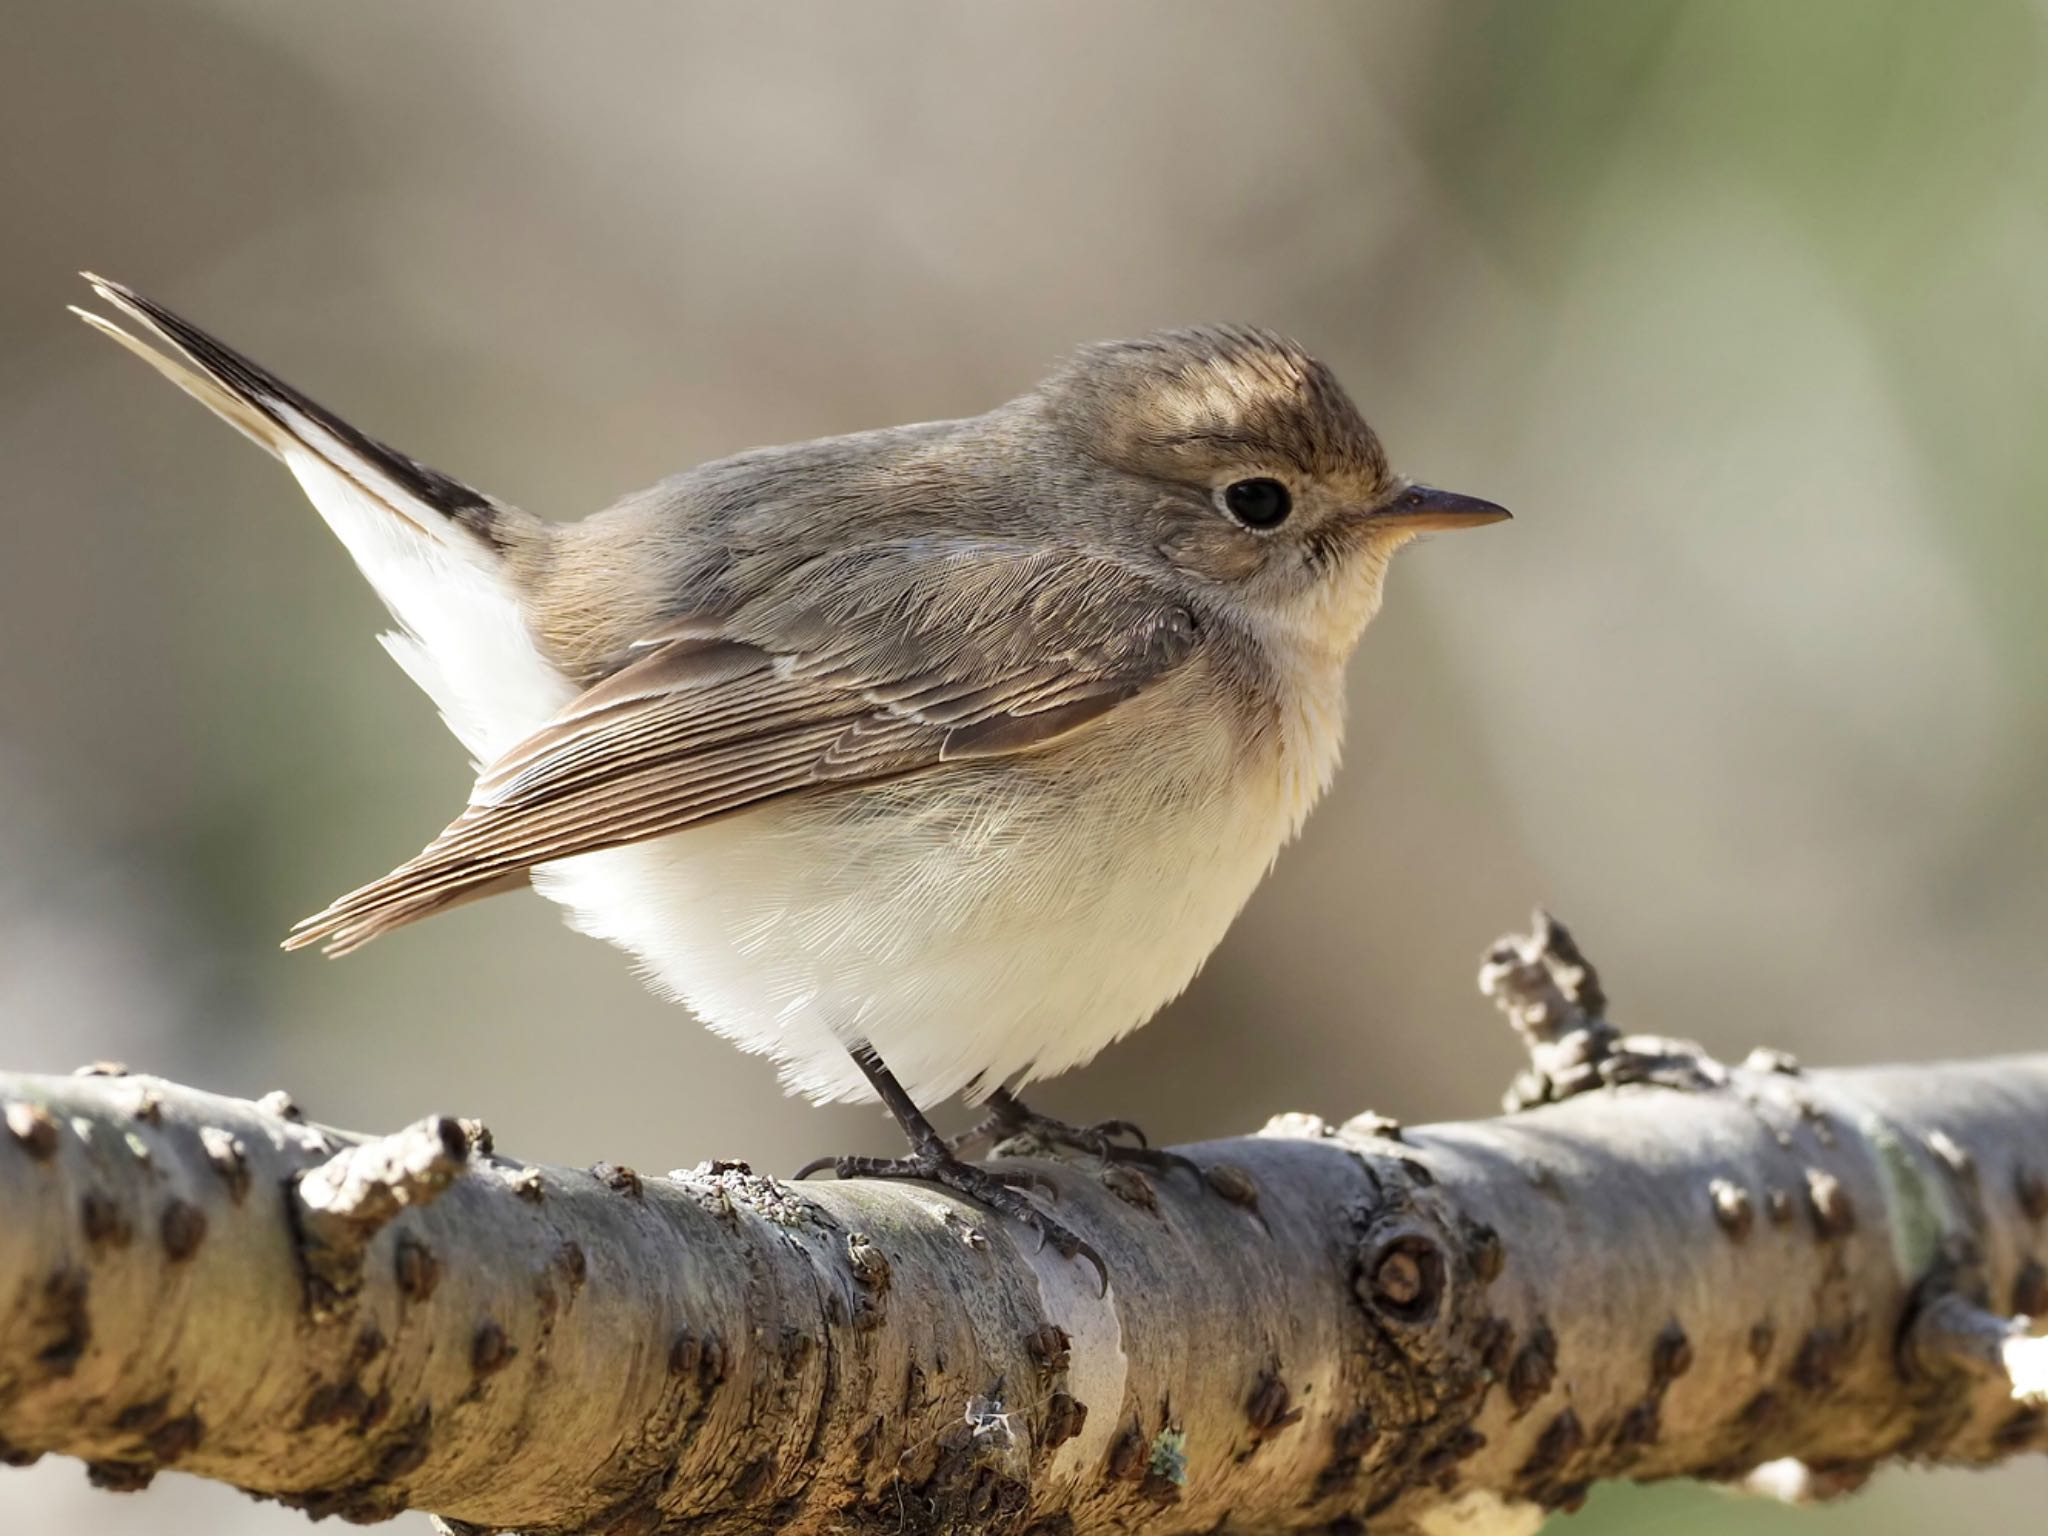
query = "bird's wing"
x=872 y=663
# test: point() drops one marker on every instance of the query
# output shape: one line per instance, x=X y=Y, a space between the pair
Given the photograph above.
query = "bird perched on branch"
x=927 y=760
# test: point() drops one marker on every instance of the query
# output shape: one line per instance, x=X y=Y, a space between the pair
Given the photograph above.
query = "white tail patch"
x=462 y=637
x=462 y=630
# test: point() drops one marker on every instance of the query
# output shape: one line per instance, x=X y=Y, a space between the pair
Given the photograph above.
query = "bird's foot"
x=996 y=1189
x=1013 y=1123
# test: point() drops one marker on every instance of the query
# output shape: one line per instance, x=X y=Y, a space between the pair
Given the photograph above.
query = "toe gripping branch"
x=1014 y=1129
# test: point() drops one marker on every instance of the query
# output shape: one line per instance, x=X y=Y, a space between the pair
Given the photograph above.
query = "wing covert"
x=866 y=664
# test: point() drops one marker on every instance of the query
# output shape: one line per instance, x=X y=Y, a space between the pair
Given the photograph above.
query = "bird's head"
x=1238 y=461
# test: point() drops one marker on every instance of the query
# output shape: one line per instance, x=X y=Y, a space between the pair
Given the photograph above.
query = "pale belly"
x=977 y=926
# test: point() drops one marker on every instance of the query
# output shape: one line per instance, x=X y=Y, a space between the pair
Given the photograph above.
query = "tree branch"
x=1667 y=1268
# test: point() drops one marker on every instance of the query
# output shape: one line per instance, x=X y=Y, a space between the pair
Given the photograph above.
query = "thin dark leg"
x=923 y=1137
x=1010 y=1116
x=932 y=1161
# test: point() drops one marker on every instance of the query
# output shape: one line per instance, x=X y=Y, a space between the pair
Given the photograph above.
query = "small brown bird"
x=954 y=747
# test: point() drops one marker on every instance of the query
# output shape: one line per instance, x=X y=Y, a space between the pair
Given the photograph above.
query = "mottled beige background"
x=1740 y=306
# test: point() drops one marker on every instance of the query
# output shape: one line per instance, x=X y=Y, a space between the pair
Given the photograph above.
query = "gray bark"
x=1665 y=1268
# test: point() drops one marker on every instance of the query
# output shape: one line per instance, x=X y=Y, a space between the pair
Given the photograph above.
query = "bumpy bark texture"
x=1666 y=1267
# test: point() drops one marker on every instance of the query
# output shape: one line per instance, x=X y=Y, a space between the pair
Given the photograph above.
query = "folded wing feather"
x=864 y=665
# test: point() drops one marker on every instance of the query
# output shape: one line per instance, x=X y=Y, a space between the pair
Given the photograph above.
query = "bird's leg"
x=1009 y=1116
x=932 y=1161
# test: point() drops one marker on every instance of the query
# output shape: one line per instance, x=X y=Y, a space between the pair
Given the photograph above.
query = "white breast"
x=991 y=923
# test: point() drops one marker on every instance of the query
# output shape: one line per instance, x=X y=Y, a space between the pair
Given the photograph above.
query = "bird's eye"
x=1260 y=503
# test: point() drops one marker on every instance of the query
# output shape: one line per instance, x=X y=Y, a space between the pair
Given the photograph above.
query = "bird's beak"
x=1424 y=508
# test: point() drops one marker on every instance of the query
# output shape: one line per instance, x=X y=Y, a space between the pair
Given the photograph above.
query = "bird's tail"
x=435 y=549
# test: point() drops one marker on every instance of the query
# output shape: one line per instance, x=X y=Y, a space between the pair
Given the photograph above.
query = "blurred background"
x=1740 y=306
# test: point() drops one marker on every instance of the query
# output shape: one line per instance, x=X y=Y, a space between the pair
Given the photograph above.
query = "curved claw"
x=1076 y=1247
x=1087 y=1250
x=1109 y=1129
x=1068 y=1245
x=1163 y=1161
x=1027 y=1178
x=815 y=1165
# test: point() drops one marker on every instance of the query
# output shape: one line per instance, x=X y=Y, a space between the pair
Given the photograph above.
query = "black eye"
x=1260 y=503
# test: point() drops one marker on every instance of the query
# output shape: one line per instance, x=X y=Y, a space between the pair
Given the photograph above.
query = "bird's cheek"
x=1349 y=594
x=1211 y=549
